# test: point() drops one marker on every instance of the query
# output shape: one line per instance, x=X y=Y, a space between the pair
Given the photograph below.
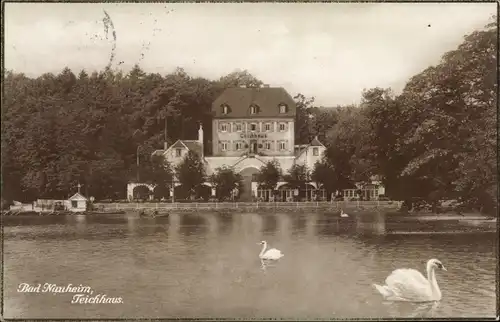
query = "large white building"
x=250 y=127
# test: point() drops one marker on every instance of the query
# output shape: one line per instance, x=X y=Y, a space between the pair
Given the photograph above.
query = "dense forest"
x=435 y=140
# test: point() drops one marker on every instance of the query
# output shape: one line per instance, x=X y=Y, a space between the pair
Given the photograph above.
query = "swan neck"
x=431 y=276
x=263 y=249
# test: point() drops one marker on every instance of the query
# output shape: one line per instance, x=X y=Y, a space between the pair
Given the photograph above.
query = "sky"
x=331 y=51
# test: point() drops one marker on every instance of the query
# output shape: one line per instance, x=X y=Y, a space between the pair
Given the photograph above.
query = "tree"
x=158 y=172
x=346 y=147
x=191 y=174
x=225 y=181
x=297 y=176
x=449 y=130
x=321 y=121
x=322 y=174
x=435 y=140
x=240 y=78
x=269 y=175
x=303 y=130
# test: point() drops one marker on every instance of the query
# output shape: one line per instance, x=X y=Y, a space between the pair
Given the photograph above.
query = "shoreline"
x=395 y=222
x=392 y=213
x=354 y=209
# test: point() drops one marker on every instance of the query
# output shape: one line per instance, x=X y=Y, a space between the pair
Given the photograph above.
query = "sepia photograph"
x=250 y=161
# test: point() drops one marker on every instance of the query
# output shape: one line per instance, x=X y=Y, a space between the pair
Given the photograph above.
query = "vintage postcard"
x=249 y=160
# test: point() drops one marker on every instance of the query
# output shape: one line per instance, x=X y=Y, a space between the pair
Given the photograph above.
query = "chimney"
x=200 y=134
x=200 y=138
x=165 y=146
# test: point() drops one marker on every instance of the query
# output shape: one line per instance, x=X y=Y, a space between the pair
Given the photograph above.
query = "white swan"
x=271 y=254
x=407 y=284
x=343 y=214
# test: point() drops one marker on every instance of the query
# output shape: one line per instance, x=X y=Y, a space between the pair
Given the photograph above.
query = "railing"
x=252 y=205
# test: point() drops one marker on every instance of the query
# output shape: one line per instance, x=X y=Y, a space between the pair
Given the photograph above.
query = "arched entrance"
x=205 y=192
x=247 y=175
x=141 y=192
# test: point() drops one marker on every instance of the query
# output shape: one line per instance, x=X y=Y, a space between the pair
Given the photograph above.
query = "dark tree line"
x=435 y=140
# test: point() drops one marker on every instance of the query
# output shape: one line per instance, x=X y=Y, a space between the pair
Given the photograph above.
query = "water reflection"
x=192 y=224
x=269 y=224
x=412 y=310
x=81 y=224
x=33 y=220
x=107 y=219
x=328 y=225
x=212 y=224
x=251 y=223
x=210 y=262
x=299 y=224
x=225 y=223
x=132 y=223
x=311 y=224
x=265 y=264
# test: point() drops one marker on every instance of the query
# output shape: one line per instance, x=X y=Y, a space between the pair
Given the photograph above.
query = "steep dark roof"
x=194 y=146
x=301 y=148
x=158 y=152
x=316 y=142
x=77 y=196
x=267 y=99
x=177 y=144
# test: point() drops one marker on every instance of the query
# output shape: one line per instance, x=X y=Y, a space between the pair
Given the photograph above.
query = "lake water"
x=207 y=265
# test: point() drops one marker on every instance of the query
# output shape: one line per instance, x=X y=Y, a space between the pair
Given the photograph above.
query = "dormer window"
x=225 y=109
x=282 y=108
x=253 y=109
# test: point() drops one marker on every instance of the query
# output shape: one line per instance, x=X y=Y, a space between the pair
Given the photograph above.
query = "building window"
x=223 y=146
x=74 y=204
x=253 y=109
x=282 y=109
x=225 y=110
x=315 y=151
x=267 y=127
x=282 y=145
x=253 y=127
x=267 y=145
x=239 y=145
x=223 y=127
x=282 y=127
x=238 y=127
x=178 y=152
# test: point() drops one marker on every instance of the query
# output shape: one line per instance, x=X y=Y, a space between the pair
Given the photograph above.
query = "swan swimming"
x=343 y=214
x=271 y=254
x=407 y=284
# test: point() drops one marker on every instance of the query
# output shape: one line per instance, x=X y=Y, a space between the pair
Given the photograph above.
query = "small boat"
x=161 y=215
x=154 y=214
